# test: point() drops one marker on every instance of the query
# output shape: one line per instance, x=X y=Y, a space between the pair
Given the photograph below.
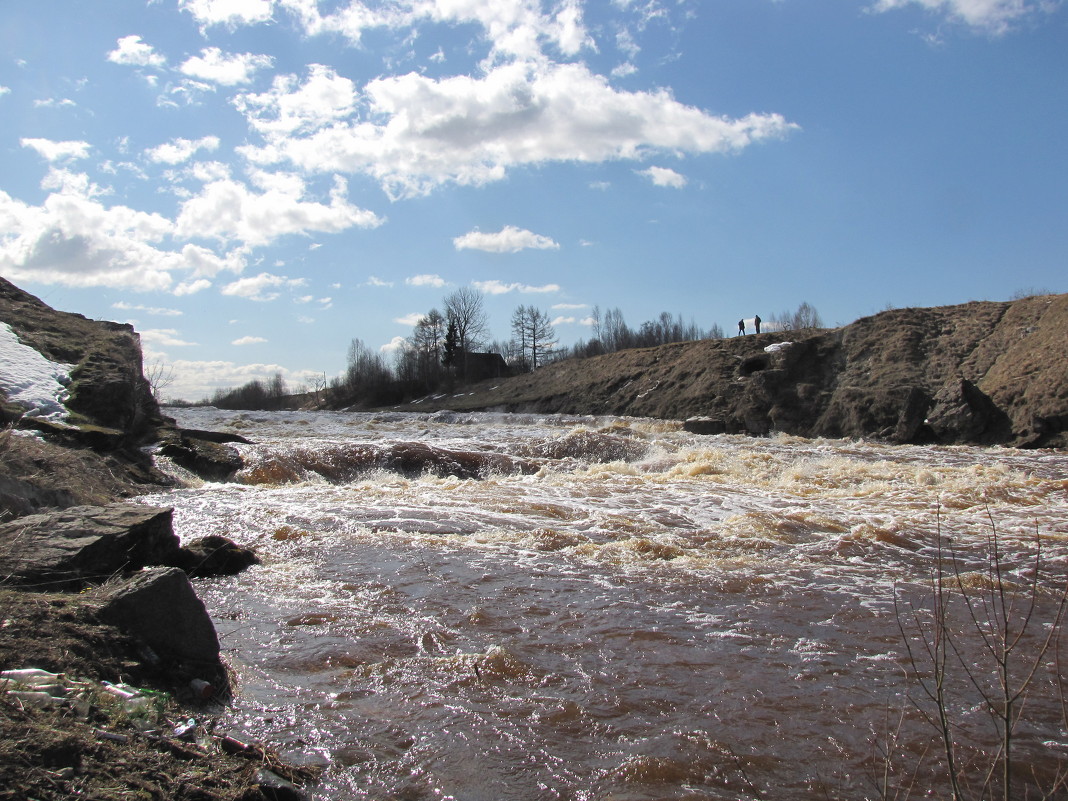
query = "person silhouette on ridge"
x=756 y=322
x=741 y=327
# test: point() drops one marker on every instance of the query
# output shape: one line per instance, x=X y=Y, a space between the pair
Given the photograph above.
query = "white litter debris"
x=30 y=380
x=778 y=346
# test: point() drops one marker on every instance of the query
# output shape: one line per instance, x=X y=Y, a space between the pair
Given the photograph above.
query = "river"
x=486 y=607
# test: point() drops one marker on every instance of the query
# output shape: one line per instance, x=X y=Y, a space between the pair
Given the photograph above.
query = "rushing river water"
x=486 y=607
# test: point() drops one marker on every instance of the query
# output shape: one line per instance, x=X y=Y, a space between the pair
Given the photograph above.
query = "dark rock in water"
x=209 y=460
x=275 y=788
x=218 y=437
x=85 y=544
x=159 y=607
x=704 y=425
x=214 y=555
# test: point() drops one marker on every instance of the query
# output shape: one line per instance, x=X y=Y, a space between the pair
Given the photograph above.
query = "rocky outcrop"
x=159 y=608
x=85 y=545
x=981 y=373
x=108 y=388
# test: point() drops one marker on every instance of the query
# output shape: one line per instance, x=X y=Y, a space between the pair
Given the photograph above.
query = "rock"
x=159 y=607
x=276 y=788
x=86 y=544
x=913 y=419
x=214 y=555
x=211 y=461
x=704 y=425
x=963 y=413
x=107 y=388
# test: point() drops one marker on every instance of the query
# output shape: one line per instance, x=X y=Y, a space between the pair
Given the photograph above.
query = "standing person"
x=756 y=322
x=741 y=326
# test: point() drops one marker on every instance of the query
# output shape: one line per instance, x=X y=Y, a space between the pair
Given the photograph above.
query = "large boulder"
x=214 y=555
x=86 y=544
x=159 y=607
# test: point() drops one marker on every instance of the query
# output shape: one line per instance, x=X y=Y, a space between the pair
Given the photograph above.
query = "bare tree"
x=534 y=335
x=159 y=377
x=466 y=310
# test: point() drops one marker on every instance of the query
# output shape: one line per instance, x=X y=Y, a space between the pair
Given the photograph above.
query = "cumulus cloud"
x=178 y=150
x=263 y=287
x=74 y=239
x=164 y=337
x=156 y=310
x=228 y=12
x=196 y=380
x=993 y=16
x=228 y=69
x=132 y=51
x=495 y=287
x=425 y=280
x=290 y=107
x=508 y=240
x=419 y=132
x=663 y=176
x=248 y=341
x=514 y=28
x=395 y=345
x=57 y=151
x=410 y=319
x=228 y=210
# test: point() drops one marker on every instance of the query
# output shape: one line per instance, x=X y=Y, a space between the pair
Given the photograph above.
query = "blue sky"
x=254 y=183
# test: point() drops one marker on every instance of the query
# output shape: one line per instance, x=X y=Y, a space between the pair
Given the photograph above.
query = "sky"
x=255 y=183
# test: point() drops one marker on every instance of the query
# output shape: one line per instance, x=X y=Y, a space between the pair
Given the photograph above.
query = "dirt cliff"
x=982 y=372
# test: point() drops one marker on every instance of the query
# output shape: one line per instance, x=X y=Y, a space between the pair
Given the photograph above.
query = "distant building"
x=481 y=366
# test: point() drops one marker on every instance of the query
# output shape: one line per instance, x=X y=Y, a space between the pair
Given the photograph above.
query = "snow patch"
x=30 y=380
x=778 y=346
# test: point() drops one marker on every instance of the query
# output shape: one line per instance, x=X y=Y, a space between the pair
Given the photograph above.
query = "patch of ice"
x=30 y=380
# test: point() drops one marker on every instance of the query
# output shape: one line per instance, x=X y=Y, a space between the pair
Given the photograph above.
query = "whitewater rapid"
x=491 y=606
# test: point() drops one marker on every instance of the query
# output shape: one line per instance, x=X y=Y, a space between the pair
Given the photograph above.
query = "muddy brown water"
x=487 y=607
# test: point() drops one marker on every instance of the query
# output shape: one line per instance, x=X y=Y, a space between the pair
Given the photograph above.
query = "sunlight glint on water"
x=491 y=607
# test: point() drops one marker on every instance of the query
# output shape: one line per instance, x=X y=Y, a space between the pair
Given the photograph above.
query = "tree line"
x=451 y=346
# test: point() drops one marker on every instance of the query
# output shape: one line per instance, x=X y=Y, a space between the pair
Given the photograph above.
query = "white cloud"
x=192 y=287
x=569 y=306
x=57 y=151
x=290 y=107
x=74 y=239
x=425 y=280
x=178 y=150
x=514 y=28
x=4 y=90
x=395 y=345
x=196 y=380
x=228 y=12
x=409 y=319
x=663 y=176
x=228 y=69
x=495 y=287
x=374 y=280
x=164 y=337
x=248 y=341
x=508 y=240
x=563 y=320
x=132 y=51
x=52 y=102
x=227 y=210
x=992 y=16
x=419 y=132
x=156 y=310
x=261 y=287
